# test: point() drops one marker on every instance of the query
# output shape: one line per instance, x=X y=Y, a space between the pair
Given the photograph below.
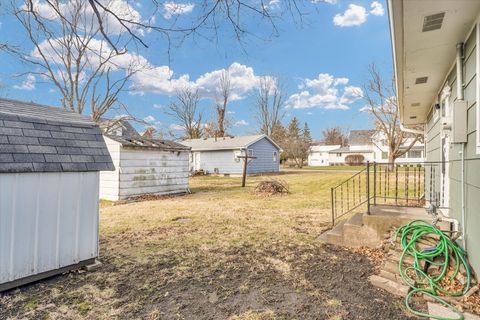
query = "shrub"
x=354 y=159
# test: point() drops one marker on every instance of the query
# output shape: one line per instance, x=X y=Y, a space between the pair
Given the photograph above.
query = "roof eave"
x=395 y=14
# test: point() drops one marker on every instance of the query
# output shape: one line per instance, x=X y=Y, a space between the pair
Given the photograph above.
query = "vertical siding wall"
x=47 y=221
x=472 y=159
x=151 y=171
x=110 y=180
x=264 y=162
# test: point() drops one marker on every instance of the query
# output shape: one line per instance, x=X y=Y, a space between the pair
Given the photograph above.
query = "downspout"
x=460 y=97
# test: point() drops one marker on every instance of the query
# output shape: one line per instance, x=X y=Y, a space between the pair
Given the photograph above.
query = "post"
x=368 y=187
x=244 y=176
x=374 y=183
x=333 y=207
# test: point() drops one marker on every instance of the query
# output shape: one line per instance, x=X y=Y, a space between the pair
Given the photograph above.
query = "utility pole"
x=245 y=158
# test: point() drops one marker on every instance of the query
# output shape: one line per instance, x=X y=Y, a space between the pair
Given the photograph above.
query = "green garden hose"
x=445 y=250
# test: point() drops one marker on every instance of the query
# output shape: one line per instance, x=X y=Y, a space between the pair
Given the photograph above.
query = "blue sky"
x=322 y=61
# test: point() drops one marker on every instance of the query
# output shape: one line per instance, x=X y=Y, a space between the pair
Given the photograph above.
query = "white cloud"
x=377 y=9
x=161 y=80
x=27 y=84
x=149 y=119
x=240 y=123
x=158 y=106
x=111 y=25
x=98 y=51
x=172 y=8
x=353 y=16
x=326 y=92
x=324 y=1
x=176 y=127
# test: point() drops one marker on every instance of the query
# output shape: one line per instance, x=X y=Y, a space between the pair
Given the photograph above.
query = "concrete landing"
x=363 y=230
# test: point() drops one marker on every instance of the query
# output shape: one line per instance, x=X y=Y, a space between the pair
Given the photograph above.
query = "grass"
x=224 y=214
x=334 y=168
x=221 y=252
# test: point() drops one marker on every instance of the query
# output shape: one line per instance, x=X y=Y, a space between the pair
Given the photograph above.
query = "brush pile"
x=271 y=187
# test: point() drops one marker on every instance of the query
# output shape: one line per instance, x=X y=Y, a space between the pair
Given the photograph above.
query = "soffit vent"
x=413 y=117
x=433 y=22
x=421 y=80
x=415 y=104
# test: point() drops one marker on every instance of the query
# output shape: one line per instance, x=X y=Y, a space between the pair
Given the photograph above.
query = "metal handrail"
x=400 y=183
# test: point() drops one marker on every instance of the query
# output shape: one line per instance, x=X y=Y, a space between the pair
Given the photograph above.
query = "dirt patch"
x=278 y=281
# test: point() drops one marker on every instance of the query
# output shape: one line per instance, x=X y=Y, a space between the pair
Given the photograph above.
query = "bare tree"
x=382 y=107
x=335 y=136
x=269 y=98
x=233 y=15
x=88 y=73
x=222 y=101
x=185 y=112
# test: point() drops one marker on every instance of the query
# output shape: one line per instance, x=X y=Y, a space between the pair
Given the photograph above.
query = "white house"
x=320 y=156
x=50 y=160
x=220 y=155
x=372 y=147
x=142 y=165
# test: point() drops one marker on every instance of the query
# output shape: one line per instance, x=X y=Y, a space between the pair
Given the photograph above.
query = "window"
x=275 y=156
x=415 y=154
x=339 y=154
x=250 y=152
x=236 y=154
x=384 y=155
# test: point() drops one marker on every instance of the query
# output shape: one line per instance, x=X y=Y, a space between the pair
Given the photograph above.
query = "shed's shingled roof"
x=147 y=143
x=37 y=138
x=225 y=143
x=124 y=133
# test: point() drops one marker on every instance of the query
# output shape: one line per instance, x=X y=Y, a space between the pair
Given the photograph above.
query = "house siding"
x=263 y=151
x=224 y=162
x=220 y=161
x=472 y=163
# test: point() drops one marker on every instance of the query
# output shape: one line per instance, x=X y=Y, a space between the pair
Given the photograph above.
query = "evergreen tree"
x=307 y=137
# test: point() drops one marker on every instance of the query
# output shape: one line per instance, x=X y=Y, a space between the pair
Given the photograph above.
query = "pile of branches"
x=272 y=187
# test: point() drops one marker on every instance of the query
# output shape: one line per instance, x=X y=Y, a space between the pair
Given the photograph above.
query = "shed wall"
x=47 y=221
x=110 y=180
x=151 y=171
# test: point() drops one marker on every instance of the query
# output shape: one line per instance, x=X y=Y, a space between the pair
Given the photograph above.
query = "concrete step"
x=356 y=220
x=391 y=276
x=390 y=266
x=389 y=285
x=335 y=236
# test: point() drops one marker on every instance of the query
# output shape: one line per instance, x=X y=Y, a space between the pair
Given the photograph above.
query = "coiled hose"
x=439 y=255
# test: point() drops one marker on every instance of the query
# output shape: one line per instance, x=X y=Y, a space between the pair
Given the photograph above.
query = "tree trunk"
x=391 y=161
x=221 y=123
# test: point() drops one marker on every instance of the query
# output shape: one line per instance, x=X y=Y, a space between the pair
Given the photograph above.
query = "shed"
x=142 y=165
x=220 y=155
x=50 y=160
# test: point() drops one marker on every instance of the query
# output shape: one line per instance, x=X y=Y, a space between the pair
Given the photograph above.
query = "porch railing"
x=399 y=184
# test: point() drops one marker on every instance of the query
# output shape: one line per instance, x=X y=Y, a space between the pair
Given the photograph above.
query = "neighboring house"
x=319 y=155
x=220 y=155
x=142 y=165
x=373 y=147
x=50 y=160
x=436 y=50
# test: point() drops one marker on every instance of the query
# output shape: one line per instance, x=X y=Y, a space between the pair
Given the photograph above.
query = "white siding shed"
x=49 y=173
x=144 y=166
